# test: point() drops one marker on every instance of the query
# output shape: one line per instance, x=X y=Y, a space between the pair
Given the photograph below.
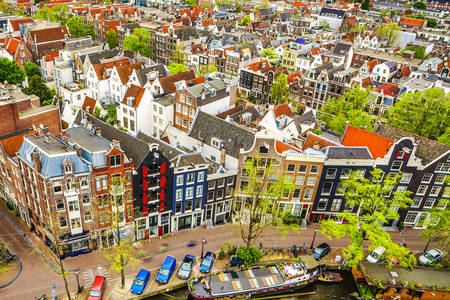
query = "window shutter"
x=144 y=172
x=163 y=168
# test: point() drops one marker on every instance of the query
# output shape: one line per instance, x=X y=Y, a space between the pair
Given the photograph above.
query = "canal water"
x=323 y=291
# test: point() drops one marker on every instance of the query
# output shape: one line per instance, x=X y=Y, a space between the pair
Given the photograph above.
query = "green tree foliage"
x=138 y=41
x=390 y=31
x=7 y=7
x=419 y=52
x=325 y=25
x=206 y=69
x=111 y=115
x=431 y=23
x=245 y=20
x=249 y=256
x=10 y=71
x=280 y=89
x=348 y=107
x=262 y=194
x=178 y=54
x=238 y=8
x=190 y=2
x=77 y=28
x=424 y=113
x=360 y=28
x=111 y=38
x=419 y=5
x=31 y=69
x=270 y=54
x=176 y=68
x=36 y=86
x=58 y=13
x=374 y=209
x=365 y=5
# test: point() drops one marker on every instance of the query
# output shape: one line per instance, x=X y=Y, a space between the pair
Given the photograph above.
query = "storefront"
x=186 y=221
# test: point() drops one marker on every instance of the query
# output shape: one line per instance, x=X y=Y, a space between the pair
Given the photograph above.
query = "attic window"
x=215 y=142
x=264 y=149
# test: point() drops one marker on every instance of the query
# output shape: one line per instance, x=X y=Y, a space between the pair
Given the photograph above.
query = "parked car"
x=430 y=257
x=186 y=267
x=140 y=282
x=166 y=270
x=376 y=255
x=97 y=289
x=320 y=251
x=207 y=262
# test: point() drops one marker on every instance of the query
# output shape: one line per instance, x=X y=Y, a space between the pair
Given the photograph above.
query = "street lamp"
x=314 y=237
x=203 y=244
x=428 y=243
x=80 y=288
x=54 y=292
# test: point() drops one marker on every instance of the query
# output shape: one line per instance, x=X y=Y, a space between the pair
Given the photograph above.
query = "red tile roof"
x=366 y=82
x=49 y=34
x=51 y=56
x=100 y=68
x=313 y=140
x=406 y=70
x=411 y=21
x=371 y=64
x=15 y=24
x=196 y=80
x=136 y=92
x=125 y=71
x=292 y=77
x=315 y=51
x=207 y=22
x=282 y=109
x=168 y=82
x=257 y=66
x=389 y=89
x=282 y=147
x=377 y=144
x=387 y=19
x=89 y=103
x=11 y=145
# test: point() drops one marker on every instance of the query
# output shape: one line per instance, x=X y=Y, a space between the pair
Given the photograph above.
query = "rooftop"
x=88 y=141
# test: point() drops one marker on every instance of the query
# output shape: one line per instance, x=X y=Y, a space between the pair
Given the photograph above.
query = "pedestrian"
x=403 y=243
x=260 y=246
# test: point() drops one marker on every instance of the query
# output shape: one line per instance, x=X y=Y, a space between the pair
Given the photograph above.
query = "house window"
x=114 y=161
x=302 y=168
x=73 y=205
x=69 y=184
x=188 y=206
x=179 y=179
x=177 y=120
x=427 y=177
x=184 y=123
x=297 y=193
x=311 y=181
x=291 y=168
x=263 y=149
x=85 y=199
x=429 y=203
x=60 y=204
x=189 y=194
x=87 y=216
x=396 y=165
x=200 y=176
x=84 y=182
x=416 y=202
x=422 y=189
x=128 y=177
x=345 y=173
x=322 y=205
x=308 y=194
x=340 y=190
x=331 y=173
x=179 y=195
x=336 y=204
x=443 y=167
x=221 y=182
x=441 y=204
x=211 y=185
x=435 y=190
x=57 y=187
x=219 y=194
x=62 y=222
x=132 y=128
x=411 y=217
x=178 y=207
x=300 y=180
x=440 y=178
x=360 y=173
x=314 y=169
x=406 y=178
x=326 y=190
x=230 y=180
x=401 y=188
x=199 y=191
x=190 y=177
x=211 y=195
x=68 y=168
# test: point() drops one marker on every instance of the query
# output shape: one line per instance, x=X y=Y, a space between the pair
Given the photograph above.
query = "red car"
x=97 y=289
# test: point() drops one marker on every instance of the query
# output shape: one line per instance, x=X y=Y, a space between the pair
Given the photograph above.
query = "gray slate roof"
x=252 y=110
x=188 y=159
x=141 y=73
x=96 y=57
x=331 y=12
x=234 y=137
x=217 y=85
x=338 y=152
x=427 y=150
x=168 y=150
x=341 y=48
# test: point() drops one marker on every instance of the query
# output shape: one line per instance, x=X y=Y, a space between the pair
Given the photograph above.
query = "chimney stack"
x=223 y=154
x=64 y=136
x=36 y=160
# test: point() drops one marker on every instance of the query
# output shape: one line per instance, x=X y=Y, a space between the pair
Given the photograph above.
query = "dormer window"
x=68 y=168
x=115 y=161
x=216 y=142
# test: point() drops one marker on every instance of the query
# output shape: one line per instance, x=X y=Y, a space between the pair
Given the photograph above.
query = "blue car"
x=166 y=270
x=207 y=262
x=140 y=282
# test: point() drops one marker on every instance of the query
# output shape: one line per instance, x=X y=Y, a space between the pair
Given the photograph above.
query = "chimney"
x=78 y=150
x=43 y=130
x=98 y=131
x=116 y=143
x=223 y=154
x=36 y=160
x=64 y=137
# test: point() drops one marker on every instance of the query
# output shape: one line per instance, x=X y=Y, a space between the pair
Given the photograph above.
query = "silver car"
x=186 y=267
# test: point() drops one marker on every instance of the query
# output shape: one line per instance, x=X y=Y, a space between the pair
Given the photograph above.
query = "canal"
x=323 y=291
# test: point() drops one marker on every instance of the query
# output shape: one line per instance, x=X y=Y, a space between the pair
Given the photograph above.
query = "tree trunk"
x=63 y=274
x=250 y=234
x=122 y=271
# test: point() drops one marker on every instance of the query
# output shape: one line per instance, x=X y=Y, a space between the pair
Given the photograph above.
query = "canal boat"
x=257 y=281
x=330 y=277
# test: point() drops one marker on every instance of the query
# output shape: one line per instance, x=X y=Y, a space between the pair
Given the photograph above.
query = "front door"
x=184 y=222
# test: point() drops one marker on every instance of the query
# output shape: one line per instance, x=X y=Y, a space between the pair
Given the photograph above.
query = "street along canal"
x=323 y=291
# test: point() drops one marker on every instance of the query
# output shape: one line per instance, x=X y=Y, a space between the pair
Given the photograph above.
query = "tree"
x=190 y=2
x=10 y=71
x=122 y=253
x=206 y=69
x=178 y=54
x=348 y=107
x=431 y=23
x=238 y=8
x=260 y=208
x=36 y=86
x=111 y=39
x=419 y=5
x=424 y=113
x=390 y=31
x=270 y=54
x=77 y=28
x=245 y=20
x=280 y=89
x=176 y=68
x=360 y=28
x=368 y=195
x=138 y=41
x=31 y=69
x=111 y=115
x=7 y=7
x=365 y=5
x=60 y=14
x=325 y=25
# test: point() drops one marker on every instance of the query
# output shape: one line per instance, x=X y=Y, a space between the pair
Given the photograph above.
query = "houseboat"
x=257 y=281
x=421 y=283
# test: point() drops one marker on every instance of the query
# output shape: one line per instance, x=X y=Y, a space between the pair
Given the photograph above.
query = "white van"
x=376 y=255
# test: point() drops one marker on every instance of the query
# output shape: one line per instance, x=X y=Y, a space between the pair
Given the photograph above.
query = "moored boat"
x=330 y=277
x=257 y=281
